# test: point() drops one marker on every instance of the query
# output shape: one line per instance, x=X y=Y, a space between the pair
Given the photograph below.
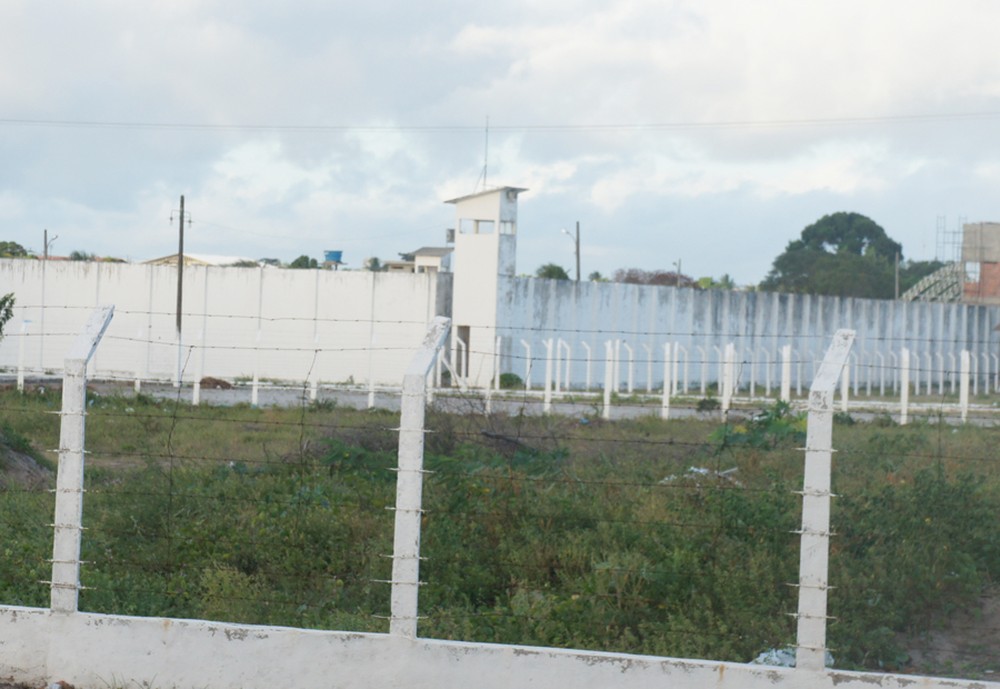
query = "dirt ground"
x=966 y=646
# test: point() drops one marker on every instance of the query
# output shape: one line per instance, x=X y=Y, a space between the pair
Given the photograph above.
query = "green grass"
x=554 y=531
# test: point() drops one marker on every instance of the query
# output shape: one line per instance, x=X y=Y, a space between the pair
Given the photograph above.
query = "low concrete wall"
x=92 y=651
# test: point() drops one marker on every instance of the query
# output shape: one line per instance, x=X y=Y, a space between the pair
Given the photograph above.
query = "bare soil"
x=967 y=645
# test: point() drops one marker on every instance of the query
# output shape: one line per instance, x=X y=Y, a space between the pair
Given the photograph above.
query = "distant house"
x=427 y=259
x=202 y=260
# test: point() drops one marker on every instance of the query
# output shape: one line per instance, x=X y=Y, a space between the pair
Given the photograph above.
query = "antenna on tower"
x=486 y=156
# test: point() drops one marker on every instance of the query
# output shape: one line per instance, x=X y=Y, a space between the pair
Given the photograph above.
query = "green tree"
x=597 y=277
x=82 y=256
x=638 y=276
x=842 y=254
x=12 y=250
x=6 y=310
x=374 y=264
x=724 y=282
x=304 y=261
x=552 y=272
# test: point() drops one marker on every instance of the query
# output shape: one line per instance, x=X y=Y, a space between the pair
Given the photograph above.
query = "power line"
x=456 y=128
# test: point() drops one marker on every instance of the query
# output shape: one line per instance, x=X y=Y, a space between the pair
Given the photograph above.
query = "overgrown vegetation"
x=672 y=538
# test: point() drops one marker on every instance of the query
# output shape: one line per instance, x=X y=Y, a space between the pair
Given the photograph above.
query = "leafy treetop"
x=552 y=271
x=845 y=254
x=6 y=310
x=12 y=250
x=637 y=276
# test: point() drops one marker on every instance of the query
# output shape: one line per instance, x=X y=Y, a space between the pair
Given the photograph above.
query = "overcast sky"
x=709 y=132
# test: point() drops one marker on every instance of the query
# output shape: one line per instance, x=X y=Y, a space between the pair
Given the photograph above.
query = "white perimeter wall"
x=91 y=651
x=284 y=324
x=756 y=322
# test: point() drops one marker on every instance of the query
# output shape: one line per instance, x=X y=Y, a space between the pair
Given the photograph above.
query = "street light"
x=576 y=244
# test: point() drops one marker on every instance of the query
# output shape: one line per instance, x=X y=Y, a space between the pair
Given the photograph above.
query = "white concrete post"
x=753 y=372
x=609 y=378
x=767 y=372
x=527 y=364
x=986 y=373
x=667 y=382
x=904 y=386
x=952 y=367
x=139 y=369
x=678 y=350
x=547 y=395
x=894 y=363
x=409 y=485
x=586 y=348
x=941 y=376
x=974 y=361
x=786 y=373
x=567 y=363
x=881 y=374
x=930 y=372
x=798 y=373
x=616 y=376
x=630 y=378
x=963 y=385
x=728 y=371
x=255 y=385
x=996 y=372
x=496 y=363
x=68 y=523
x=720 y=366
x=814 y=553
x=557 y=365
x=704 y=368
x=20 y=356
x=914 y=362
x=649 y=368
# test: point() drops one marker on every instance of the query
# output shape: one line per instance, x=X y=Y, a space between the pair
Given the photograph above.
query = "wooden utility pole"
x=180 y=288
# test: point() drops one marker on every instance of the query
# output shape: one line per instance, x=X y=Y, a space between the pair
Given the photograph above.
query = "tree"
x=551 y=271
x=597 y=277
x=638 y=276
x=724 y=282
x=374 y=264
x=6 y=310
x=82 y=256
x=843 y=254
x=12 y=250
x=304 y=261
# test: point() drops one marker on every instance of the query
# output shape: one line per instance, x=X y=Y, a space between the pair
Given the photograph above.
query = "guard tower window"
x=472 y=226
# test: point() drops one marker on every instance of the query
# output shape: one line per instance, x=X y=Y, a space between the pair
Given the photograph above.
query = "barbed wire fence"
x=563 y=518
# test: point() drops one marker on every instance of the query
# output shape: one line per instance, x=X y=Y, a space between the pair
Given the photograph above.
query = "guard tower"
x=485 y=248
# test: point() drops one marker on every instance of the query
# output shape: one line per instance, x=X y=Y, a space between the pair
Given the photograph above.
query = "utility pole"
x=180 y=290
x=576 y=246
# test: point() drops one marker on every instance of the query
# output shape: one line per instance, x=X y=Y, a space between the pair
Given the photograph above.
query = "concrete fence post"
x=409 y=484
x=786 y=373
x=609 y=378
x=727 y=383
x=20 y=356
x=667 y=382
x=68 y=523
x=547 y=395
x=904 y=386
x=586 y=384
x=963 y=385
x=630 y=375
x=649 y=368
x=814 y=554
x=527 y=364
